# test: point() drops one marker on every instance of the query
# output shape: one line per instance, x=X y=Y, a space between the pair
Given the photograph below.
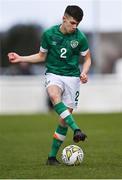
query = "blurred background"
x=22 y=23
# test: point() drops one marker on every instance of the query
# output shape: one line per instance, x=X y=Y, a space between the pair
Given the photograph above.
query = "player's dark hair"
x=75 y=11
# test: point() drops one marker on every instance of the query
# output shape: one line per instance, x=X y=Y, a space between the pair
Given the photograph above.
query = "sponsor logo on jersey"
x=54 y=43
x=74 y=43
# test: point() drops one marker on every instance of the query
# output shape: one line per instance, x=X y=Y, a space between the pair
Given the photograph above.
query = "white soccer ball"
x=72 y=155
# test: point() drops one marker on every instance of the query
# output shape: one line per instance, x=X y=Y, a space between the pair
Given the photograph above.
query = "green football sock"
x=64 y=113
x=58 y=139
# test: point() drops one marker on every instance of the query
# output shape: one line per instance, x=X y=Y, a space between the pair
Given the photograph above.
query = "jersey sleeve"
x=44 y=43
x=84 y=45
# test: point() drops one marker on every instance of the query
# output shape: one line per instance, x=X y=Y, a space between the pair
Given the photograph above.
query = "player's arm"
x=35 y=58
x=86 y=67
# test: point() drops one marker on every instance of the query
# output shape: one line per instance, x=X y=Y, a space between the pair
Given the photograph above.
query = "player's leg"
x=70 y=98
x=68 y=118
x=78 y=135
x=55 y=93
x=58 y=139
x=61 y=130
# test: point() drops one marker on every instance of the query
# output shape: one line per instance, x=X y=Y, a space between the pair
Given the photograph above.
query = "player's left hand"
x=83 y=78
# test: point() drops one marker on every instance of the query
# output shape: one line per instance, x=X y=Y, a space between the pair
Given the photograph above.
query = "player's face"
x=70 y=24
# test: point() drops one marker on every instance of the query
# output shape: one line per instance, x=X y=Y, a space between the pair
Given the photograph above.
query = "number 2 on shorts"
x=77 y=95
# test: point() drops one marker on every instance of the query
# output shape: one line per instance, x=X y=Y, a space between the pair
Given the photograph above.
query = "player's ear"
x=64 y=18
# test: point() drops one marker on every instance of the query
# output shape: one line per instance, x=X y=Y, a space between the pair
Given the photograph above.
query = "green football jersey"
x=63 y=51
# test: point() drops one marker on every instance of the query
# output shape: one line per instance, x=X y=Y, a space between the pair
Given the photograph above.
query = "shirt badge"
x=74 y=43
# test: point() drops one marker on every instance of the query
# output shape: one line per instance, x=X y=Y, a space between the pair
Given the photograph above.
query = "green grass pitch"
x=25 y=142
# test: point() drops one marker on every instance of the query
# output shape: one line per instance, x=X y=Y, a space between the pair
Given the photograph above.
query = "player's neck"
x=62 y=29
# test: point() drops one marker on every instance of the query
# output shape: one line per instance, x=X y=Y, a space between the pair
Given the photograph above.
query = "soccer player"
x=61 y=47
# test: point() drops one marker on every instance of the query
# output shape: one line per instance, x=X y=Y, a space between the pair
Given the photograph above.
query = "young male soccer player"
x=61 y=48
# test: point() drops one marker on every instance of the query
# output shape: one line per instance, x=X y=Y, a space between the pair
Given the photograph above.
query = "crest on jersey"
x=74 y=43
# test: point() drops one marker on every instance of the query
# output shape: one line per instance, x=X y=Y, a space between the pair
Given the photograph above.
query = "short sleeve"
x=84 y=45
x=44 y=43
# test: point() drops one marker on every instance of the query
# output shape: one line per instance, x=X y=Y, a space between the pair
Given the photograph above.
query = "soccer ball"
x=72 y=155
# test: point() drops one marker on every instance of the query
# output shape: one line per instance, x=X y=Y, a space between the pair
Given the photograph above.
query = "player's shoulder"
x=51 y=30
x=81 y=34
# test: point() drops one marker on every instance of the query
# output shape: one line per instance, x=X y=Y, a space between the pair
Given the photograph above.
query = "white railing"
x=26 y=94
x=22 y=94
x=103 y=93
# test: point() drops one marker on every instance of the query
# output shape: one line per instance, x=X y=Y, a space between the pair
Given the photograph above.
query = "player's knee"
x=70 y=110
x=55 y=98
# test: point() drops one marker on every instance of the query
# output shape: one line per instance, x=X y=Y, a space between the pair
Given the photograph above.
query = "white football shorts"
x=70 y=87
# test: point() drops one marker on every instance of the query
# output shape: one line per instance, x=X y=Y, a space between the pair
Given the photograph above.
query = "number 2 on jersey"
x=63 y=53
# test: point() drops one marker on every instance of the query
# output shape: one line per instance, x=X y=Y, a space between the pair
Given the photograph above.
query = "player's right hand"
x=83 y=78
x=14 y=57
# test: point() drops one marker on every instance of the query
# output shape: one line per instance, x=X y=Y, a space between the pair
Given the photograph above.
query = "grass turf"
x=25 y=142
